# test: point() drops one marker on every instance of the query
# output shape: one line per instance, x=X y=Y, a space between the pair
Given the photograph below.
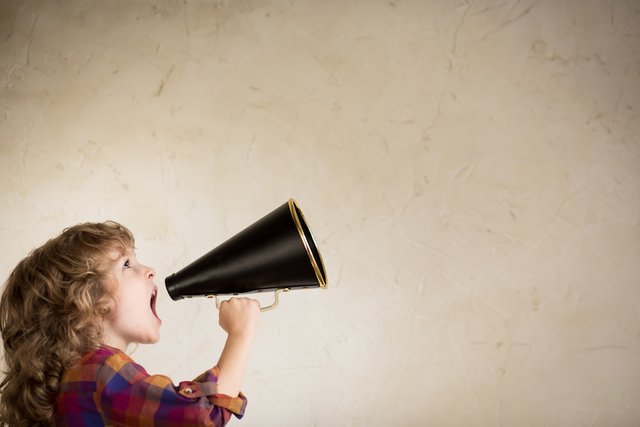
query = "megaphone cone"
x=277 y=252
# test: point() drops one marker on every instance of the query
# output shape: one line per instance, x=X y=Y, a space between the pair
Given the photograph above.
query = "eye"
x=126 y=264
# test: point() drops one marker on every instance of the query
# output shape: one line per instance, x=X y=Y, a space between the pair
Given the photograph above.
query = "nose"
x=150 y=272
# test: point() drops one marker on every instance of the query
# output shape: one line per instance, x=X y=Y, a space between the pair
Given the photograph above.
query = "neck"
x=113 y=340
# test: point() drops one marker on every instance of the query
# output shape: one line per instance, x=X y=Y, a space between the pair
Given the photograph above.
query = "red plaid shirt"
x=106 y=387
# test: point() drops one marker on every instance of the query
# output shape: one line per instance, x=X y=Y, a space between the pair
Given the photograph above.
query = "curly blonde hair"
x=51 y=313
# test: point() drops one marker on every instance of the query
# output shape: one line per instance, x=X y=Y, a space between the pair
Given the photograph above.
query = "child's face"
x=134 y=318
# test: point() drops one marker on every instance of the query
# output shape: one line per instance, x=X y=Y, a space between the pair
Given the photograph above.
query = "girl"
x=67 y=314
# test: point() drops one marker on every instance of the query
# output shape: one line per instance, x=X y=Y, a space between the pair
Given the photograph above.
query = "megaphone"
x=276 y=253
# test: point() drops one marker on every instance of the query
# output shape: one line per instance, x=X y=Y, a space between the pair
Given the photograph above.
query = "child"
x=67 y=314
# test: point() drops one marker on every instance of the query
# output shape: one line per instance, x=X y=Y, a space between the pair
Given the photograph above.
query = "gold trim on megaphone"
x=320 y=271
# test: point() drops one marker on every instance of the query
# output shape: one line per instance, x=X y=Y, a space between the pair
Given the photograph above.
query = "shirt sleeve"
x=128 y=395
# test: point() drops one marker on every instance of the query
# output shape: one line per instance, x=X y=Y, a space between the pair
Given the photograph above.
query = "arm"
x=239 y=318
x=125 y=394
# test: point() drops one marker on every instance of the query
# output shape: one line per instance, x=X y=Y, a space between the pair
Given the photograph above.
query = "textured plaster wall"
x=471 y=170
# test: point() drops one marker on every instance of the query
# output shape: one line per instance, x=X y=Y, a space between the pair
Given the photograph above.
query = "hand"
x=239 y=316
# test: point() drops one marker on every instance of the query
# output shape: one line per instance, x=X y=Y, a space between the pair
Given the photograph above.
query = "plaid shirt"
x=106 y=387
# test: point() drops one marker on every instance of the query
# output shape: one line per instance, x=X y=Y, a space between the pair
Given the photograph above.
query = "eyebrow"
x=116 y=255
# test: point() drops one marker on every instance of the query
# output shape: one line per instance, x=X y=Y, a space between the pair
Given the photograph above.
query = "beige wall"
x=471 y=170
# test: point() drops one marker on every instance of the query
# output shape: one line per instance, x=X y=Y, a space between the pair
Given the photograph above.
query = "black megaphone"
x=276 y=253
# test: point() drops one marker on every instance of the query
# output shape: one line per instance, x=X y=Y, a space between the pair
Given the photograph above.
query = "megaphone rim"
x=298 y=219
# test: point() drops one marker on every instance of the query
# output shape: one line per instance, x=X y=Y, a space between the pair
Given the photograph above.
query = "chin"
x=152 y=340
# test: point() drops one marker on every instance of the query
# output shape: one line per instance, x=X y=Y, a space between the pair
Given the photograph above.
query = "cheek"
x=132 y=303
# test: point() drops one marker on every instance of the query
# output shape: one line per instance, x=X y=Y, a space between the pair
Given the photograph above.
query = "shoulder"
x=86 y=371
x=102 y=365
x=116 y=365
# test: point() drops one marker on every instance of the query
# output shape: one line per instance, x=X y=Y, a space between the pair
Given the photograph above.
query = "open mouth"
x=152 y=303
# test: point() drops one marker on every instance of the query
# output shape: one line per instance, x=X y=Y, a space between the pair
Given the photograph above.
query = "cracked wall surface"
x=471 y=171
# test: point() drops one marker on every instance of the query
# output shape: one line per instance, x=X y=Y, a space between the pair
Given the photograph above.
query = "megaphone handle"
x=267 y=308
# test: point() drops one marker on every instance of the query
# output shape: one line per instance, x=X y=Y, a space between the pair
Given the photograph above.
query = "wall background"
x=471 y=170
